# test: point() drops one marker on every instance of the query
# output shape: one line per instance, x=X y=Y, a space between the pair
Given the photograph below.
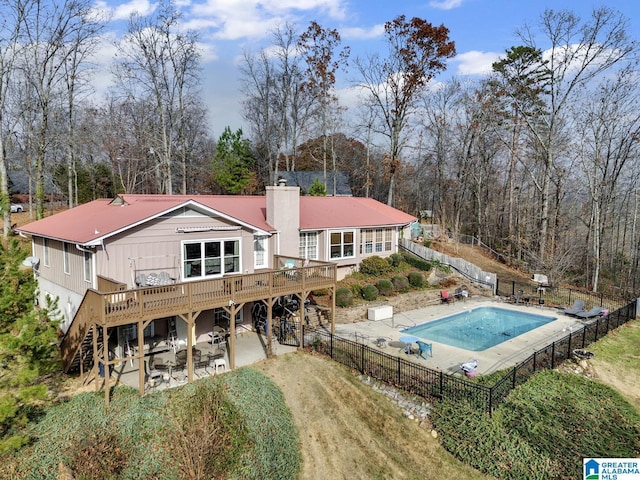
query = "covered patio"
x=251 y=347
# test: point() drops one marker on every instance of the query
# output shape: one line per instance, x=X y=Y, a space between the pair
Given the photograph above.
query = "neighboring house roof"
x=92 y=222
x=305 y=179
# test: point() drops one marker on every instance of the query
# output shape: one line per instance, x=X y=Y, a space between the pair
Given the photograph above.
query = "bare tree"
x=318 y=47
x=159 y=62
x=276 y=105
x=608 y=123
x=10 y=32
x=578 y=53
x=52 y=34
x=417 y=51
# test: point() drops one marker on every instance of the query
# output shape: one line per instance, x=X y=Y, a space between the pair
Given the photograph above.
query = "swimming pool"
x=479 y=328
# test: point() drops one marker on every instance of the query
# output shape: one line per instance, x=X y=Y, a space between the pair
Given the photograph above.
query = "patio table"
x=408 y=341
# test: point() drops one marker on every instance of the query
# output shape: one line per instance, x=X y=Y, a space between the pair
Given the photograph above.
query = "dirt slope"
x=349 y=431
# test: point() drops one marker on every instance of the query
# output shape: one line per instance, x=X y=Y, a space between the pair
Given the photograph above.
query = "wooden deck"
x=141 y=305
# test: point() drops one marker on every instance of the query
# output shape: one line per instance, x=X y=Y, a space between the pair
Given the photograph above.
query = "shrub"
x=426 y=242
x=99 y=454
x=344 y=297
x=274 y=451
x=369 y=292
x=356 y=290
x=418 y=262
x=385 y=287
x=395 y=259
x=416 y=279
x=375 y=266
x=400 y=283
x=206 y=434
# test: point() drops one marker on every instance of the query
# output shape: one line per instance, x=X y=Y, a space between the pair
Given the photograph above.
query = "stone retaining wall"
x=403 y=302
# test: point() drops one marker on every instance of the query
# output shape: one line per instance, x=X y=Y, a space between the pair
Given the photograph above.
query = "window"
x=87 y=266
x=309 y=245
x=260 y=251
x=376 y=240
x=342 y=244
x=366 y=245
x=210 y=258
x=65 y=258
x=45 y=251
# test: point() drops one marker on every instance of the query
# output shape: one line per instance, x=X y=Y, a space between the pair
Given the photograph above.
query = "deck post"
x=190 y=334
x=141 y=369
x=105 y=363
x=270 y=328
x=232 y=336
x=96 y=359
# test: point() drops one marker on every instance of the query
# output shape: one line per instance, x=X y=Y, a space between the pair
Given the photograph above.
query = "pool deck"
x=447 y=358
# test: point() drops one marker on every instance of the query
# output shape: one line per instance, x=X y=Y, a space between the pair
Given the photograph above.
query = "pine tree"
x=28 y=346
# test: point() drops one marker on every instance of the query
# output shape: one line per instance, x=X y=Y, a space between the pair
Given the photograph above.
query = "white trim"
x=342 y=232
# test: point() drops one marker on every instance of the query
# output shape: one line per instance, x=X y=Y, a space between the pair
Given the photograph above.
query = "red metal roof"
x=102 y=218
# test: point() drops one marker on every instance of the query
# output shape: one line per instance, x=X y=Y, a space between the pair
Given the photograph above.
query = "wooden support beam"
x=141 y=369
x=105 y=363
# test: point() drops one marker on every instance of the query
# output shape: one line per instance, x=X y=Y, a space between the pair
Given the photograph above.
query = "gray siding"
x=156 y=246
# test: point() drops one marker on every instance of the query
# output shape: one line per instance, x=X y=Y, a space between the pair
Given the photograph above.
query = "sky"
x=481 y=29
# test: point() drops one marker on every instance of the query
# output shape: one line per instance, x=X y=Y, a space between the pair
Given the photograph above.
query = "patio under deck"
x=250 y=348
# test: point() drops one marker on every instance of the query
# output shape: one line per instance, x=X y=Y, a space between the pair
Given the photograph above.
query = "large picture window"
x=342 y=244
x=210 y=258
x=308 y=245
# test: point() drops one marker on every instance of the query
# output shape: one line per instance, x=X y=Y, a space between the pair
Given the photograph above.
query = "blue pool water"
x=479 y=328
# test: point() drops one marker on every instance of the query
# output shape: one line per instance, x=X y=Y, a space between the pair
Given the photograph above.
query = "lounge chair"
x=444 y=296
x=594 y=312
x=578 y=307
x=425 y=350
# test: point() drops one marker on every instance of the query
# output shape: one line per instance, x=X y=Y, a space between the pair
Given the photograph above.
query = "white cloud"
x=358 y=33
x=236 y=19
x=445 y=4
x=475 y=62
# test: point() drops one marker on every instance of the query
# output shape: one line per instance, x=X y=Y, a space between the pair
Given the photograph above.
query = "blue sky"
x=481 y=29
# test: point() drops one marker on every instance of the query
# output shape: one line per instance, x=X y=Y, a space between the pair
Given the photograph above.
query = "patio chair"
x=594 y=312
x=578 y=307
x=425 y=350
x=444 y=297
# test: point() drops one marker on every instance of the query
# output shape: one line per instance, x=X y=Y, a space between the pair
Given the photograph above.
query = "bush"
x=418 y=263
x=385 y=287
x=206 y=434
x=416 y=279
x=370 y=292
x=375 y=266
x=400 y=283
x=395 y=259
x=356 y=290
x=344 y=297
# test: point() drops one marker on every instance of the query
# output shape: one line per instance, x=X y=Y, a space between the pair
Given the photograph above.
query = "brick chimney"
x=283 y=214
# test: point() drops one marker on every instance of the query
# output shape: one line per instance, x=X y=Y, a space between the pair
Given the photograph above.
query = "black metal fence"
x=435 y=385
x=555 y=296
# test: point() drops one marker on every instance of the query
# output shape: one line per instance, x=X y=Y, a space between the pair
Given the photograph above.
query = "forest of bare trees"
x=537 y=159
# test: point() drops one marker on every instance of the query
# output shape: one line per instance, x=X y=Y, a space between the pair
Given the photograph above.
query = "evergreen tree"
x=28 y=346
x=317 y=189
x=232 y=163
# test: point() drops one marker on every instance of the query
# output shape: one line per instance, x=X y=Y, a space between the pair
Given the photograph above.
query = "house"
x=143 y=273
